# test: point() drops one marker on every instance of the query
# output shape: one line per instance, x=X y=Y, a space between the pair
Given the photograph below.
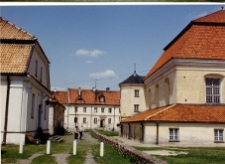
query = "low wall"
x=135 y=156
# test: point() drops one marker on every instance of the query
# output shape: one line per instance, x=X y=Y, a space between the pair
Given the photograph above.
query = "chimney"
x=107 y=89
x=79 y=91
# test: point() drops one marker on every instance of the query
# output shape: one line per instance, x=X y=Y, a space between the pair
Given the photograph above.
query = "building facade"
x=90 y=108
x=184 y=90
x=25 y=84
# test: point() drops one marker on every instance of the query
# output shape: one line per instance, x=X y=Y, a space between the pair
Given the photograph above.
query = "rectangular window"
x=95 y=110
x=109 y=120
x=136 y=108
x=84 y=120
x=102 y=110
x=75 y=119
x=84 y=109
x=218 y=135
x=136 y=93
x=110 y=110
x=36 y=68
x=212 y=90
x=95 y=120
x=33 y=106
x=173 y=134
x=41 y=75
x=76 y=109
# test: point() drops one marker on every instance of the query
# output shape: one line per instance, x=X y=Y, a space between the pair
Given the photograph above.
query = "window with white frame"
x=95 y=120
x=33 y=105
x=110 y=110
x=136 y=93
x=102 y=110
x=84 y=109
x=109 y=120
x=101 y=99
x=136 y=108
x=173 y=134
x=76 y=109
x=95 y=110
x=218 y=135
x=84 y=120
x=212 y=90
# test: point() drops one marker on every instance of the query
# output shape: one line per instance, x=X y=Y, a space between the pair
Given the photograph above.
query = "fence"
x=135 y=155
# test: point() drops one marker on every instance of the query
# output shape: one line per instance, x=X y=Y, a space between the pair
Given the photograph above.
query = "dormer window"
x=101 y=99
x=212 y=90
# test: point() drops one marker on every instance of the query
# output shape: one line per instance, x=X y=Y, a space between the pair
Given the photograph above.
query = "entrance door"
x=102 y=123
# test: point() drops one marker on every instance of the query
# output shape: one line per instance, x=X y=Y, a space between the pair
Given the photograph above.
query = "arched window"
x=167 y=91
x=157 y=95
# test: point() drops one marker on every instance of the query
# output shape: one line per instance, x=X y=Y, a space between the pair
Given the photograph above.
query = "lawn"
x=196 y=155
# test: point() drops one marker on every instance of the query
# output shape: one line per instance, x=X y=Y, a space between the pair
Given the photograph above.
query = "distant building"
x=90 y=108
x=25 y=84
x=181 y=100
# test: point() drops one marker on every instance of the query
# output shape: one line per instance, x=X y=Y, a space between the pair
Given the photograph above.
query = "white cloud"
x=100 y=75
x=94 y=53
x=89 y=61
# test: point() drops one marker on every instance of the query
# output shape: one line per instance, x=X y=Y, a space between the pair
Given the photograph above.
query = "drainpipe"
x=129 y=137
x=6 y=111
x=91 y=118
x=157 y=133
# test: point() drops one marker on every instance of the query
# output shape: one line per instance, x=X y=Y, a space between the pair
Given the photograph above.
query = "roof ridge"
x=160 y=111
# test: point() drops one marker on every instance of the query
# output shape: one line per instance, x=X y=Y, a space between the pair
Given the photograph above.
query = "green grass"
x=108 y=133
x=110 y=156
x=44 y=159
x=10 y=153
x=196 y=155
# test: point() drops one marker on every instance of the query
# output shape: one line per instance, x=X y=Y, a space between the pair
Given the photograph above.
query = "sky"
x=99 y=45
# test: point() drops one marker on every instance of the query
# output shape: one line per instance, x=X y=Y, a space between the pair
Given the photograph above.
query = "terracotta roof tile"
x=14 y=58
x=12 y=32
x=199 y=41
x=88 y=97
x=216 y=17
x=61 y=97
x=91 y=97
x=183 y=113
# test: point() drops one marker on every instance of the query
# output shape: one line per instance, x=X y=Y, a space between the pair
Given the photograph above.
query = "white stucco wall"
x=90 y=115
x=128 y=99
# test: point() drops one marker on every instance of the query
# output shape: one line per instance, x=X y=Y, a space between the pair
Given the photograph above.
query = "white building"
x=90 y=108
x=183 y=93
x=25 y=84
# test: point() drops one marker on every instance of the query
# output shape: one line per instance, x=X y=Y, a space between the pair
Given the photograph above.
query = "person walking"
x=76 y=133
x=81 y=132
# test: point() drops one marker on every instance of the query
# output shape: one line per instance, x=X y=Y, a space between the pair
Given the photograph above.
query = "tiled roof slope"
x=197 y=41
x=88 y=97
x=91 y=97
x=216 y=17
x=10 y=31
x=61 y=97
x=133 y=79
x=14 y=58
x=183 y=113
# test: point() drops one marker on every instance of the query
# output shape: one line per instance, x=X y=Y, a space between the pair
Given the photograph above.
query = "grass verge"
x=196 y=155
x=108 y=133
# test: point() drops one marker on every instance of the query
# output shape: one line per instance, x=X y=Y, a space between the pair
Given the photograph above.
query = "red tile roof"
x=61 y=97
x=14 y=58
x=12 y=32
x=216 y=17
x=183 y=113
x=88 y=97
x=197 y=41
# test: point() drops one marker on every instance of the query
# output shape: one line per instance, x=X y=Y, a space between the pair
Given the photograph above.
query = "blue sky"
x=103 y=42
